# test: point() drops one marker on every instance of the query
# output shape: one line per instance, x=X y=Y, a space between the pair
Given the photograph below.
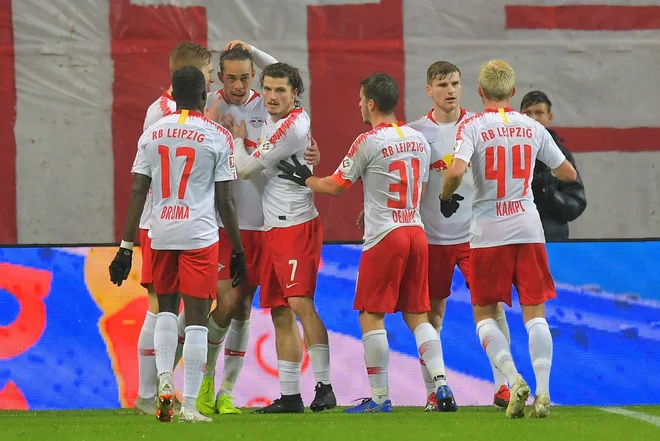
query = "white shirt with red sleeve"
x=184 y=154
x=393 y=162
x=502 y=145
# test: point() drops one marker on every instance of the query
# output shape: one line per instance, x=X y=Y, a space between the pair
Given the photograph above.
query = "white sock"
x=499 y=378
x=235 y=347
x=194 y=356
x=289 y=373
x=148 y=373
x=215 y=338
x=430 y=349
x=377 y=360
x=181 y=329
x=320 y=358
x=497 y=349
x=428 y=379
x=165 y=337
x=540 y=349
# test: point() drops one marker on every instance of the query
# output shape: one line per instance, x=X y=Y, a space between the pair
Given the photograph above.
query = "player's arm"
x=260 y=58
x=463 y=150
x=139 y=192
x=551 y=155
x=453 y=178
x=224 y=202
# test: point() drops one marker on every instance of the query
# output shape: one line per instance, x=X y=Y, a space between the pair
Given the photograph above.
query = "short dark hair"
x=535 y=97
x=283 y=70
x=237 y=53
x=188 y=86
x=383 y=90
x=440 y=70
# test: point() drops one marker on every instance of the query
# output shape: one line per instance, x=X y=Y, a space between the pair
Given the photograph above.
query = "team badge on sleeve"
x=458 y=145
x=347 y=165
x=266 y=148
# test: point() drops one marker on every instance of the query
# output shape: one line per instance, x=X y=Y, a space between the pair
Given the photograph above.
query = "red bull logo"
x=439 y=165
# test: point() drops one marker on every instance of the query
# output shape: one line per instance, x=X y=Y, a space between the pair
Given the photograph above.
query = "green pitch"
x=404 y=424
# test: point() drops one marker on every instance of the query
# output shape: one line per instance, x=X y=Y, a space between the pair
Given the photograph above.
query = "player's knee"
x=283 y=318
x=371 y=321
x=303 y=307
x=531 y=312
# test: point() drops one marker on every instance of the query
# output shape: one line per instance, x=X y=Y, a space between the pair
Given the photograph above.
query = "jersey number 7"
x=401 y=187
x=499 y=174
x=164 y=152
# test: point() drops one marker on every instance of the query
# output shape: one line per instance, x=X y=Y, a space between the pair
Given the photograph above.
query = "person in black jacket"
x=557 y=202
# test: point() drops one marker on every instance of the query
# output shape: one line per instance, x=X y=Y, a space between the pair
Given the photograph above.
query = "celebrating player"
x=507 y=241
x=188 y=157
x=292 y=241
x=393 y=162
x=184 y=54
x=448 y=238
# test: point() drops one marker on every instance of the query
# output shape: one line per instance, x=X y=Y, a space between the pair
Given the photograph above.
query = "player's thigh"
x=462 y=255
x=532 y=277
x=491 y=274
x=271 y=294
x=224 y=255
x=253 y=242
x=380 y=273
x=414 y=291
x=441 y=263
x=165 y=269
x=146 y=275
x=198 y=272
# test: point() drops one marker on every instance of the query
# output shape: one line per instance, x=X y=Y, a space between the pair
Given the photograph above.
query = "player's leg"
x=297 y=256
x=198 y=273
x=491 y=276
x=535 y=286
x=414 y=303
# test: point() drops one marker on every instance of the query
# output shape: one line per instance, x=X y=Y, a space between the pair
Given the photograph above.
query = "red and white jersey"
x=247 y=192
x=439 y=229
x=285 y=203
x=184 y=154
x=503 y=146
x=393 y=162
x=163 y=106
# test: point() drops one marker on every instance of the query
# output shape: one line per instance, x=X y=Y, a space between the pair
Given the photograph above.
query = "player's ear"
x=428 y=90
x=480 y=91
x=513 y=92
x=549 y=116
x=220 y=77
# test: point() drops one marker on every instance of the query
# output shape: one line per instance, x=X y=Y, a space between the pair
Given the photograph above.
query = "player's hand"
x=213 y=112
x=238 y=130
x=121 y=266
x=232 y=44
x=237 y=268
x=360 y=220
x=450 y=206
x=313 y=154
x=295 y=172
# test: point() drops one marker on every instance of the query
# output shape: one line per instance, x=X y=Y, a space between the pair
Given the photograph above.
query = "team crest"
x=256 y=122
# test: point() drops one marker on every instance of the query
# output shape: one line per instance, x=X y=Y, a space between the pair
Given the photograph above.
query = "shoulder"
x=468 y=122
x=296 y=125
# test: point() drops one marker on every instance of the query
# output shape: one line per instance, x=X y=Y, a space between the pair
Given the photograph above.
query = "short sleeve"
x=464 y=146
x=549 y=152
x=353 y=164
x=424 y=172
x=225 y=170
x=140 y=164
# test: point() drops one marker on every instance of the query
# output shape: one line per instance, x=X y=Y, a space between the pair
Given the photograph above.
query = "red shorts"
x=493 y=270
x=252 y=244
x=393 y=275
x=442 y=261
x=291 y=258
x=145 y=249
x=190 y=272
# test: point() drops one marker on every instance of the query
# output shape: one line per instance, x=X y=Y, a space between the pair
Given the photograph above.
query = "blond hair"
x=189 y=54
x=497 y=80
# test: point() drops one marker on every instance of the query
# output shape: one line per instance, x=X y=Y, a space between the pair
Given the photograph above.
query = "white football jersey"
x=285 y=203
x=503 y=146
x=184 y=154
x=163 y=106
x=393 y=162
x=247 y=192
x=439 y=229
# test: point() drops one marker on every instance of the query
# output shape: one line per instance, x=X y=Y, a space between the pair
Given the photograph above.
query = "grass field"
x=404 y=424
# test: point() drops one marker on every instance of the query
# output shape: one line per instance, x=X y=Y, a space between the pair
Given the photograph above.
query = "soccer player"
x=190 y=159
x=507 y=245
x=184 y=54
x=393 y=162
x=292 y=241
x=448 y=238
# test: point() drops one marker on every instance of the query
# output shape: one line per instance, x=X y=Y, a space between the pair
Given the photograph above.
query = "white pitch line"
x=651 y=419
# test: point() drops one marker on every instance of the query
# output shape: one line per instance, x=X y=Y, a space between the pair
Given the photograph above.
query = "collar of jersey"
x=381 y=125
x=293 y=111
x=190 y=113
x=460 y=117
x=506 y=109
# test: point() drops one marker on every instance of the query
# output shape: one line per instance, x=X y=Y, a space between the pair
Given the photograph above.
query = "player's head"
x=497 y=81
x=537 y=105
x=379 y=94
x=236 y=74
x=443 y=85
x=189 y=88
x=282 y=88
x=192 y=54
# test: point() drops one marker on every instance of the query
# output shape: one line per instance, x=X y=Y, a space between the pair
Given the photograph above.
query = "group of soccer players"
x=421 y=219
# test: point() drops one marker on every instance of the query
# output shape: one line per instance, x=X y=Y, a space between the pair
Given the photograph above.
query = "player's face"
x=446 y=92
x=279 y=96
x=539 y=112
x=364 y=108
x=237 y=77
x=207 y=70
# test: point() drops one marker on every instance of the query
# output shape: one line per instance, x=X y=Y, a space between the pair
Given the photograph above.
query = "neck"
x=379 y=118
x=169 y=90
x=279 y=116
x=488 y=104
x=190 y=107
x=441 y=116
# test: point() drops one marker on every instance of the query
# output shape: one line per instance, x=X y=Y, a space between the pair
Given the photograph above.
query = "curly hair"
x=283 y=70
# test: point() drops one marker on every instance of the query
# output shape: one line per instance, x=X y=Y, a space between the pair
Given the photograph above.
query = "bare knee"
x=284 y=318
x=371 y=321
x=304 y=309
x=530 y=312
x=413 y=320
x=484 y=312
x=437 y=312
x=153 y=299
x=242 y=311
